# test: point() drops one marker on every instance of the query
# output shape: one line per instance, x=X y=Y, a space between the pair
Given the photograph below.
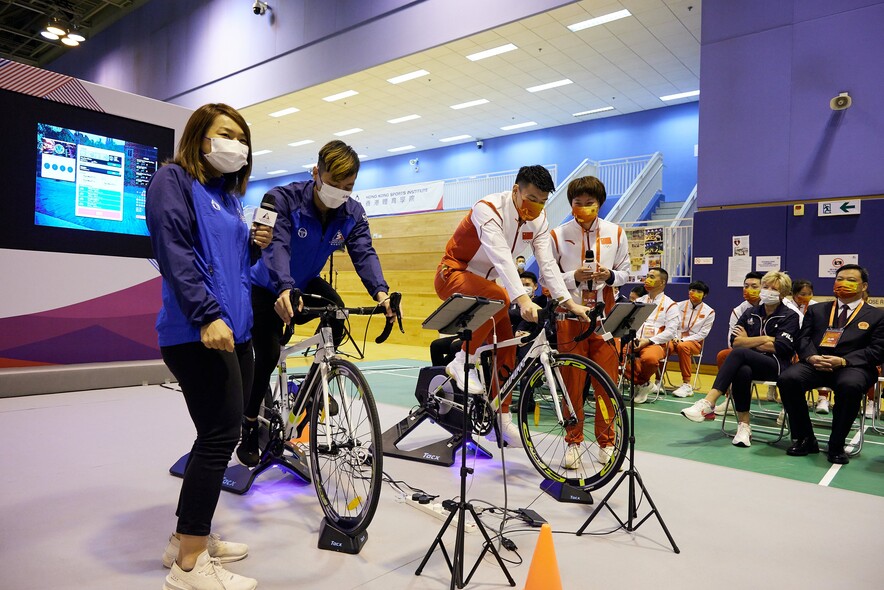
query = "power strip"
x=435 y=509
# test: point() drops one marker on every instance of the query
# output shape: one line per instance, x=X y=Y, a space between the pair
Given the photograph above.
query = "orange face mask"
x=845 y=289
x=529 y=211
x=585 y=214
x=695 y=298
x=751 y=295
x=801 y=300
x=650 y=283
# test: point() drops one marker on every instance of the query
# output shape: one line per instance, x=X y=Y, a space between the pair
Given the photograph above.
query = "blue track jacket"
x=201 y=244
x=782 y=324
x=300 y=248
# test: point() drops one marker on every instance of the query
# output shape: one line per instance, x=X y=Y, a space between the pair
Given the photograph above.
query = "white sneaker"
x=207 y=574
x=642 y=392
x=720 y=407
x=454 y=369
x=509 y=430
x=781 y=417
x=870 y=409
x=572 y=457
x=771 y=393
x=685 y=390
x=604 y=455
x=822 y=405
x=225 y=551
x=698 y=411
x=744 y=435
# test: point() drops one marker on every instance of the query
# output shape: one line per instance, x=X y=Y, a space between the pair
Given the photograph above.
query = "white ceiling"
x=627 y=64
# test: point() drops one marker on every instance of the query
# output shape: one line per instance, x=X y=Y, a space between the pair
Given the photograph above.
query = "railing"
x=677 y=240
x=640 y=191
x=618 y=174
x=687 y=209
x=464 y=191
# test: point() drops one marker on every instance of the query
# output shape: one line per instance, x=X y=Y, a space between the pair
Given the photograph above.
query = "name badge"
x=588 y=297
x=649 y=331
x=831 y=337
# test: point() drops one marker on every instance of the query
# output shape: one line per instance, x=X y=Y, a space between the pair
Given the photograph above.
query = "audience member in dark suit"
x=840 y=346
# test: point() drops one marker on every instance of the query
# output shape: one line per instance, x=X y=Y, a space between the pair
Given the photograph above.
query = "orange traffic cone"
x=544 y=571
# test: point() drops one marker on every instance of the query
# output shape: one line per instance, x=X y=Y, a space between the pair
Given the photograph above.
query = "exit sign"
x=844 y=207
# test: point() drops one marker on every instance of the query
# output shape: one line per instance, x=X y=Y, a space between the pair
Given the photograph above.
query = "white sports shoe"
x=604 y=455
x=720 y=407
x=642 y=392
x=454 y=369
x=685 y=390
x=225 y=551
x=698 y=411
x=822 y=405
x=744 y=435
x=572 y=457
x=509 y=430
x=781 y=417
x=207 y=574
x=771 y=393
x=870 y=409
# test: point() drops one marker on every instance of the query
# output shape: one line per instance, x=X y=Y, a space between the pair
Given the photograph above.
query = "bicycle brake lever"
x=295 y=299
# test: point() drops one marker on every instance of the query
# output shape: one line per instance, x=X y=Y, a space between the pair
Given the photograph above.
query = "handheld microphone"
x=266 y=213
x=589 y=262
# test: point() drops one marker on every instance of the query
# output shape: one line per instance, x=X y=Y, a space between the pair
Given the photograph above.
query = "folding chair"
x=759 y=412
x=818 y=421
x=623 y=384
x=696 y=359
x=877 y=424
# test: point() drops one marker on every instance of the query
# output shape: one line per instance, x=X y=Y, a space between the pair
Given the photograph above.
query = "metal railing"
x=618 y=174
x=641 y=190
x=464 y=191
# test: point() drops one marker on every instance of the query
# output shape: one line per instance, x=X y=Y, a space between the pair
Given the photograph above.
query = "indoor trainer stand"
x=460 y=314
x=632 y=314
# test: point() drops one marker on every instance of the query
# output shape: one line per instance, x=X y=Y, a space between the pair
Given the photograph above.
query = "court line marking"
x=833 y=470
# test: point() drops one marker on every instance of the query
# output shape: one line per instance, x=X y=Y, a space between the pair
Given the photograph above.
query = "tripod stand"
x=632 y=314
x=462 y=314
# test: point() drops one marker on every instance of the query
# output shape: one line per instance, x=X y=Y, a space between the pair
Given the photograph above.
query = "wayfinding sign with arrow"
x=843 y=207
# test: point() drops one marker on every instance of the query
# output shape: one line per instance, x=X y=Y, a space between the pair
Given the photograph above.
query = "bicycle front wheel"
x=585 y=448
x=346 y=458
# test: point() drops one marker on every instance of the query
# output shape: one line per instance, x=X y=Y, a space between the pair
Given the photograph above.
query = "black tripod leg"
x=488 y=547
x=604 y=504
x=437 y=541
x=655 y=512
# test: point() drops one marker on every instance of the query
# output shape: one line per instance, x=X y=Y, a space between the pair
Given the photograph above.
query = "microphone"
x=266 y=213
x=589 y=262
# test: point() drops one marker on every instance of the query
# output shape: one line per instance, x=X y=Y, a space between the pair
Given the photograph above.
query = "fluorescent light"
x=361 y=156
x=404 y=119
x=261 y=152
x=549 y=85
x=472 y=103
x=407 y=77
x=340 y=95
x=401 y=148
x=593 y=111
x=599 y=20
x=277 y=171
x=518 y=126
x=491 y=52
x=680 y=95
x=300 y=143
x=308 y=166
x=454 y=138
x=285 y=112
x=348 y=132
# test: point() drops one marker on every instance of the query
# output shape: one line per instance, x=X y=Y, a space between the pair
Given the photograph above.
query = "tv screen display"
x=75 y=179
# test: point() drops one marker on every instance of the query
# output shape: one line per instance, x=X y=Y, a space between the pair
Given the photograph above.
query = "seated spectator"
x=636 y=292
x=802 y=298
x=654 y=335
x=695 y=322
x=763 y=344
x=840 y=347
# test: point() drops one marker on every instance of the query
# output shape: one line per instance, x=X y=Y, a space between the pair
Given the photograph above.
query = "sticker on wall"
x=830 y=263
x=767 y=263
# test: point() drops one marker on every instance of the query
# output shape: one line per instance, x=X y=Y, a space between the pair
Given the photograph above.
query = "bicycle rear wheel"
x=347 y=472
x=598 y=432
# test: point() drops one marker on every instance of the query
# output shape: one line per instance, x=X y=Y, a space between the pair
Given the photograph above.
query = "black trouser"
x=213 y=383
x=267 y=329
x=849 y=385
x=740 y=368
x=443 y=349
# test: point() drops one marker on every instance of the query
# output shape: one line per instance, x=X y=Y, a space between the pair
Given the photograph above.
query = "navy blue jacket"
x=201 y=243
x=782 y=324
x=300 y=248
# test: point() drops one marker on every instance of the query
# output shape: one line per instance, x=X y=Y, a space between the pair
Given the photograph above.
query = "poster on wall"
x=830 y=263
x=737 y=269
x=636 y=240
x=740 y=246
x=767 y=263
x=654 y=246
x=405 y=198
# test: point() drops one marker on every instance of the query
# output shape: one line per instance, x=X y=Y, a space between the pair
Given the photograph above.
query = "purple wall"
x=769 y=69
x=200 y=51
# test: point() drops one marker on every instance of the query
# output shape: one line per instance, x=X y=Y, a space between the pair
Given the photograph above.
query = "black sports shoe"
x=247 y=453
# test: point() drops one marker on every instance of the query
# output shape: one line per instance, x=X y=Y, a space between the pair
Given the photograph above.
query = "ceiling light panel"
x=492 y=52
x=599 y=20
x=340 y=96
x=284 y=112
x=409 y=76
x=549 y=85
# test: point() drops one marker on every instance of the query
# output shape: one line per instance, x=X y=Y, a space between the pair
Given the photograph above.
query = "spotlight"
x=56 y=26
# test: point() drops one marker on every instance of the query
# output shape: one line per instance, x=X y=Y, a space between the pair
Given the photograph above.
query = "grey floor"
x=87 y=502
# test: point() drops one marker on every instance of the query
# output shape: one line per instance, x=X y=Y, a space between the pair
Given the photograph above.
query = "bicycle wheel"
x=588 y=449
x=346 y=458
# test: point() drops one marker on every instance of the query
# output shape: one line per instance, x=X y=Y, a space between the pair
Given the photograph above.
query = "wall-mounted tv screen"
x=77 y=178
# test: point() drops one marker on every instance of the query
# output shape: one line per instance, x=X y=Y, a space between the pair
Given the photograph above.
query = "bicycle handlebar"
x=549 y=311
x=295 y=296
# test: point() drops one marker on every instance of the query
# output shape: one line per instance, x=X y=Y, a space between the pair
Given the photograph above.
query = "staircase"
x=666 y=211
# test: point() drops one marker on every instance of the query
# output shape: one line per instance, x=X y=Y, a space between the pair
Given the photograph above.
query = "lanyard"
x=598 y=247
x=850 y=319
x=685 y=316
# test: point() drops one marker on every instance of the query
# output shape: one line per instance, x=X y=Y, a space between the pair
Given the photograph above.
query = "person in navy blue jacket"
x=763 y=345
x=315 y=218
x=204 y=249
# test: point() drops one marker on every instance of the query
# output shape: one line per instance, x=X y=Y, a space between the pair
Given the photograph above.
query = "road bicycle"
x=334 y=398
x=556 y=396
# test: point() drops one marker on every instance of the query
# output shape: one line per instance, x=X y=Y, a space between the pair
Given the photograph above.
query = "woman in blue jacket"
x=204 y=249
x=315 y=218
x=763 y=345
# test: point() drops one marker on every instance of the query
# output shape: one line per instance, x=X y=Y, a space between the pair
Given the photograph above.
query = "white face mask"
x=529 y=291
x=770 y=297
x=227 y=155
x=332 y=197
x=520 y=266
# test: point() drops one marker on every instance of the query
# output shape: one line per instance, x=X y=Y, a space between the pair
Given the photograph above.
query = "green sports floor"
x=661 y=429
